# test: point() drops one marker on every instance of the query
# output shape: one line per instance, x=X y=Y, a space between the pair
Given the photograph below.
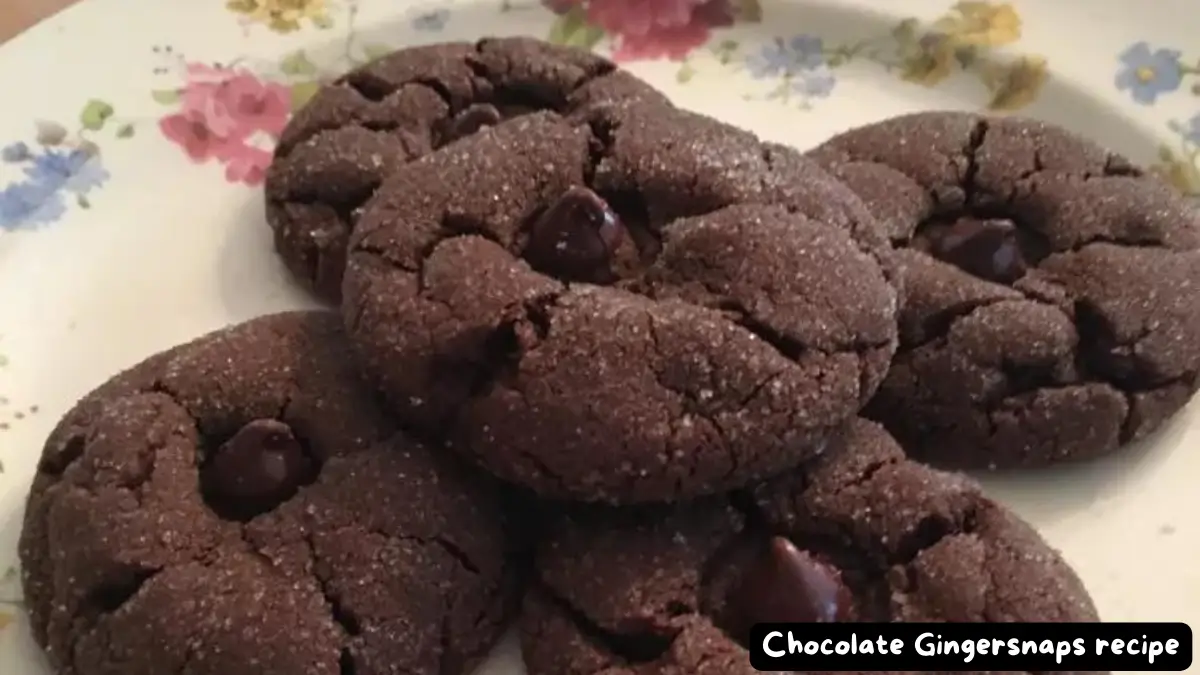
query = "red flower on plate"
x=223 y=114
x=653 y=29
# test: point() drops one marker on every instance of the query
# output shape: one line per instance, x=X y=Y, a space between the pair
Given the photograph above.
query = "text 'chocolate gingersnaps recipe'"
x=1029 y=647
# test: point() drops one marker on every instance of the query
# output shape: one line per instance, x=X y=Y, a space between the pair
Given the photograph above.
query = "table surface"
x=18 y=15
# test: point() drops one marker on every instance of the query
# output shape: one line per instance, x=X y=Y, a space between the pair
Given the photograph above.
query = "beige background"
x=17 y=15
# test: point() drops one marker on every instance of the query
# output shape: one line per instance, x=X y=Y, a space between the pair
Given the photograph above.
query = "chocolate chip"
x=784 y=584
x=470 y=120
x=988 y=249
x=576 y=237
x=261 y=466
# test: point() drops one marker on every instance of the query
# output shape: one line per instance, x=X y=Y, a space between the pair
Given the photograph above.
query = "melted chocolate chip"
x=576 y=238
x=787 y=585
x=261 y=466
x=470 y=120
x=988 y=249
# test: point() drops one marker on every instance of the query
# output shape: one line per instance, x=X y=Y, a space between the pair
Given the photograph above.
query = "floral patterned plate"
x=130 y=215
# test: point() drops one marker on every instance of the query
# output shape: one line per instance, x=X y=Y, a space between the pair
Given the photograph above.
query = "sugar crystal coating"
x=871 y=537
x=747 y=309
x=357 y=130
x=1065 y=328
x=391 y=556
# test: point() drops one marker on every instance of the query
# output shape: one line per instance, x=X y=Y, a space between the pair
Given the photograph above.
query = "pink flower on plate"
x=221 y=110
x=190 y=132
x=244 y=163
x=651 y=29
x=235 y=103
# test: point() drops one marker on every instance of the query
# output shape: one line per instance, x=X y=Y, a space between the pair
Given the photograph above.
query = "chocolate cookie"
x=238 y=506
x=862 y=535
x=1051 y=310
x=647 y=306
x=358 y=129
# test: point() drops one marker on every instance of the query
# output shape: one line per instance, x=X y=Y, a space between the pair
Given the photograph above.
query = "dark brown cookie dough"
x=238 y=506
x=358 y=129
x=646 y=306
x=861 y=535
x=1051 y=305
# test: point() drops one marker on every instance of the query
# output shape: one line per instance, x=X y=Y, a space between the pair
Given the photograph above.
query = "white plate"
x=114 y=244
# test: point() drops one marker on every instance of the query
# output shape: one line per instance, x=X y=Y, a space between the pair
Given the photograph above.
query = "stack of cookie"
x=598 y=364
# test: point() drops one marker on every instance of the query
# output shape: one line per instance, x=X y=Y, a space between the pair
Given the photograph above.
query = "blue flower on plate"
x=50 y=175
x=782 y=57
x=800 y=61
x=29 y=204
x=76 y=171
x=431 y=22
x=1146 y=74
x=815 y=83
x=1189 y=130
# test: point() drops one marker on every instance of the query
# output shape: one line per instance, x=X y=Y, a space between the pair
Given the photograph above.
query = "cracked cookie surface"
x=1051 y=311
x=642 y=305
x=863 y=534
x=355 y=131
x=239 y=506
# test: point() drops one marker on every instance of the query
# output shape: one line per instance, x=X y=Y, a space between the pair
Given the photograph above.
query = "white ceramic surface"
x=130 y=215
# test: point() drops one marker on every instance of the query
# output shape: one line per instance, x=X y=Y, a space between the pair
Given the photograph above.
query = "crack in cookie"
x=360 y=128
x=1047 y=315
x=243 y=499
x=714 y=316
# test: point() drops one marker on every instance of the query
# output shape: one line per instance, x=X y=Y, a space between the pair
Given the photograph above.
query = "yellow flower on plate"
x=1178 y=170
x=1016 y=84
x=980 y=24
x=929 y=65
x=283 y=16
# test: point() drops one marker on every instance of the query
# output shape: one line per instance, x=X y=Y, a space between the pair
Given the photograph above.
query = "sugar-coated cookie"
x=358 y=129
x=862 y=535
x=238 y=506
x=1051 y=310
x=643 y=306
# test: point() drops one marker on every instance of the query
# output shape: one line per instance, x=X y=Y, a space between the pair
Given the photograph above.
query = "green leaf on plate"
x=83 y=202
x=95 y=114
x=749 y=11
x=573 y=30
x=372 y=51
x=125 y=131
x=725 y=50
x=165 y=96
x=297 y=64
x=685 y=74
x=587 y=37
x=565 y=24
x=302 y=92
